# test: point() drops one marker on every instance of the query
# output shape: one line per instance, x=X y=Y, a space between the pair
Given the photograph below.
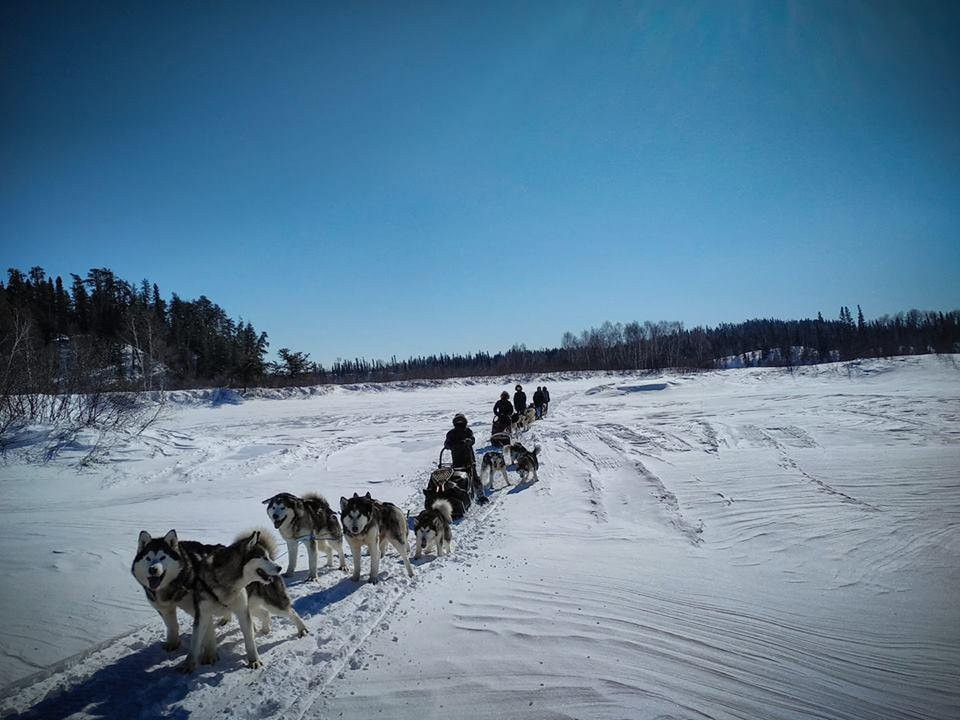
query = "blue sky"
x=400 y=178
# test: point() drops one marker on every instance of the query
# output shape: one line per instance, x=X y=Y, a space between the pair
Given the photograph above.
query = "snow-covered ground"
x=750 y=543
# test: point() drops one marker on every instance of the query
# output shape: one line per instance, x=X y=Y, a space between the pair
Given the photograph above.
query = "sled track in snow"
x=330 y=672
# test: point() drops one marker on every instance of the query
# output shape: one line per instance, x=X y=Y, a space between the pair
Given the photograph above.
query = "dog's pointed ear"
x=143 y=540
x=253 y=539
x=343 y=504
x=171 y=539
x=426 y=492
x=355 y=495
x=267 y=501
x=367 y=496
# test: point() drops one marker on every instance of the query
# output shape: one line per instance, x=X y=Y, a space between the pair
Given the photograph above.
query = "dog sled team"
x=243 y=580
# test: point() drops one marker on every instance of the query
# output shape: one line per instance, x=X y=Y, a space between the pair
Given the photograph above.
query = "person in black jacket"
x=503 y=412
x=519 y=400
x=538 y=402
x=546 y=399
x=460 y=441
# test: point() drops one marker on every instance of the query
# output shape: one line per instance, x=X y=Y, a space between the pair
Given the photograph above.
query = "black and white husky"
x=308 y=520
x=494 y=462
x=526 y=461
x=210 y=581
x=375 y=524
x=433 y=528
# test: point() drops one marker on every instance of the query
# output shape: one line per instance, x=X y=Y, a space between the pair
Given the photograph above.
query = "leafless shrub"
x=68 y=386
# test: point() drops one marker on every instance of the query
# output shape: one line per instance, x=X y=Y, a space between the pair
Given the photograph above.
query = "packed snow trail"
x=749 y=543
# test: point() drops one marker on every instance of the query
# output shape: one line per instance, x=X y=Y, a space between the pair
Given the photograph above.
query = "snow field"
x=749 y=543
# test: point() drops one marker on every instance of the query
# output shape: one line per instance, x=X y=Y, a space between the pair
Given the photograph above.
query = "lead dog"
x=209 y=581
x=308 y=520
x=375 y=524
x=433 y=527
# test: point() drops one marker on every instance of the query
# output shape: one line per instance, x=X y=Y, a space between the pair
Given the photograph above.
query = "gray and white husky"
x=375 y=524
x=433 y=528
x=210 y=581
x=308 y=520
x=526 y=461
x=494 y=462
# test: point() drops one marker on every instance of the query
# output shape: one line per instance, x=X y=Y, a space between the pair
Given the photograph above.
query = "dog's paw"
x=187 y=666
x=302 y=631
x=171 y=645
x=255 y=664
x=355 y=578
x=264 y=631
x=315 y=576
x=374 y=579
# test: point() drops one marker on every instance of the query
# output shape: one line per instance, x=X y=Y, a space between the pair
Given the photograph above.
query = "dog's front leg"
x=374 y=547
x=355 y=551
x=343 y=557
x=329 y=548
x=209 y=655
x=169 y=616
x=201 y=622
x=292 y=549
x=312 y=558
x=506 y=478
x=404 y=553
x=246 y=627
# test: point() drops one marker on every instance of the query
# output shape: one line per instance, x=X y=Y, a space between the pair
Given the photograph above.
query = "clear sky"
x=401 y=178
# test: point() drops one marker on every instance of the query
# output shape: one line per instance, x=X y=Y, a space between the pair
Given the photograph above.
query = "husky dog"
x=458 y=498
x=519 y=425
x=212 y=580
x=432 y=527
x=375 y=524
x=308 y=520
x=526 y=461
x=494 y=462
x=529 y=416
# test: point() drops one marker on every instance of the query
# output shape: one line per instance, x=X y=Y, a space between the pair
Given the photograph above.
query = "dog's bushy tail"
x=317 y=498
x=536 y=449
x=266 y=540
x=445 y=509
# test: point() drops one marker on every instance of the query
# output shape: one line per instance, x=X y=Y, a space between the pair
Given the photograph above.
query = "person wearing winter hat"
x=459 y=442
x=538 y=402
x=519 y=400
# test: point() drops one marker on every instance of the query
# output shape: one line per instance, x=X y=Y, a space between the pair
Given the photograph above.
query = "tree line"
x=99 y=332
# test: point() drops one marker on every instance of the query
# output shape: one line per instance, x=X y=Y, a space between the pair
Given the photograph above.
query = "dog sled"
x=446 y=471
x=455 y=483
